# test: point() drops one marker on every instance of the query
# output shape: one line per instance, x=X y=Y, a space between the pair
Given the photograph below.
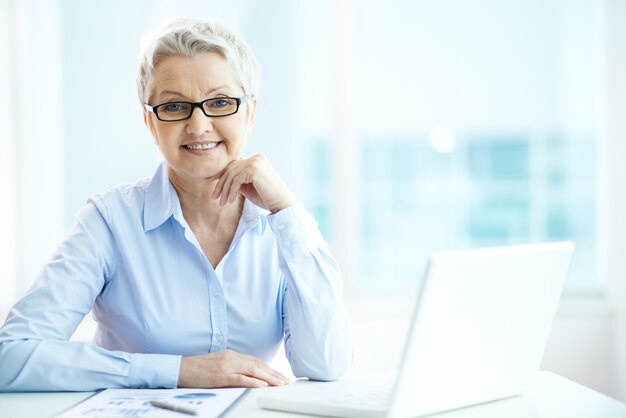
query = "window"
x=467 y=132
x=406 y=127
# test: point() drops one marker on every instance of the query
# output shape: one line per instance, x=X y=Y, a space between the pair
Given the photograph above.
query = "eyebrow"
x=175 y=93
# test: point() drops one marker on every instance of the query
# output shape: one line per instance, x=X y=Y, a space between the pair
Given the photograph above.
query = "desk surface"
x=552 y=397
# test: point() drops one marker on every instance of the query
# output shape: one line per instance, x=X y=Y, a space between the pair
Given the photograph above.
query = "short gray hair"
x=188 y=38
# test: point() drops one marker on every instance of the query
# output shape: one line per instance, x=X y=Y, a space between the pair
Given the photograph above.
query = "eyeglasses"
x=215 y=108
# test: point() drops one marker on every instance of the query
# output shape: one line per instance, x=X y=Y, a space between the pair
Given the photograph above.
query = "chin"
x=209 y=171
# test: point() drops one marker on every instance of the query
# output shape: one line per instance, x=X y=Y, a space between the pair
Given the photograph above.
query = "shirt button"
x=281 y=227
x=287 y=243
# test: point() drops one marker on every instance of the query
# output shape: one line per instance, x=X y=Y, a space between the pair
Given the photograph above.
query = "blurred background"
x=406 y=127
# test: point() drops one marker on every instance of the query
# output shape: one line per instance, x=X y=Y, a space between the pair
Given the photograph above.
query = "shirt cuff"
x=154 y=371
x=296 y=230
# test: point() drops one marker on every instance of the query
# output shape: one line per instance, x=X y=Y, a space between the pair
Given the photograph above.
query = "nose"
x=198 y=123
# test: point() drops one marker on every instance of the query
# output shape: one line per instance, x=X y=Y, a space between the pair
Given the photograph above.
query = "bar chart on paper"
x=129 y=403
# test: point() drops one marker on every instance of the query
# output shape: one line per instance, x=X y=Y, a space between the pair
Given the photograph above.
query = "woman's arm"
x=315 y=323
x=35 y=354
x=317 y=338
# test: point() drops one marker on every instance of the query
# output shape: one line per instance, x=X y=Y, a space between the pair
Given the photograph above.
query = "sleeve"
x=35 y=351
x=317 y=339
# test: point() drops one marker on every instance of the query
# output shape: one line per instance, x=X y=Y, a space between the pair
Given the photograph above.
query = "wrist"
x=282 y=205
x=182 y=372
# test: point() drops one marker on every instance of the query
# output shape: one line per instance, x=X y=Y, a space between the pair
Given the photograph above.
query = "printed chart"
x=130 y=403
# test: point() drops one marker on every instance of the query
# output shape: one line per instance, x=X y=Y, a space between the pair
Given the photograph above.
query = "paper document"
x=128 y=403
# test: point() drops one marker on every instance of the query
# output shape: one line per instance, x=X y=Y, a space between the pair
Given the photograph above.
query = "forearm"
x=52 y=365
x=317 y=338
x=318 y=342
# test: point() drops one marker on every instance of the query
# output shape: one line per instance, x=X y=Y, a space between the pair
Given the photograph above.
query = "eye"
x=173 y=107
x=221 y=103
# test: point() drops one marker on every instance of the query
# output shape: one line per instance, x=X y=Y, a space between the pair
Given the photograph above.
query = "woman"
x=196 y=274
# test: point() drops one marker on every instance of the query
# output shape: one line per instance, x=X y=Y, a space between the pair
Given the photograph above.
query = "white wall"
x=31 y=139
x=8 y=184
x=612 y=114
x=581 y=345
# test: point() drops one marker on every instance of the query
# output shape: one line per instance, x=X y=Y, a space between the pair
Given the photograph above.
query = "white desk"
x=552 y=397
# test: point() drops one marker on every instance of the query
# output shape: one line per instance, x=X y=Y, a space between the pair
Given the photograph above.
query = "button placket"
x=218 y=311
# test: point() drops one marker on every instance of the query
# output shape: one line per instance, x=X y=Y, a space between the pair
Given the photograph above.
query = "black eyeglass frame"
x=238 y=100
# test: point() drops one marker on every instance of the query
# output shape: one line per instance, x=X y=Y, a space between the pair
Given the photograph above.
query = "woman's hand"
x=227 y=368
x=256 y=179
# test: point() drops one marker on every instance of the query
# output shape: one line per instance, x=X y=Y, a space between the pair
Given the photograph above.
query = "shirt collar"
x=162 y=202
x=161 y=199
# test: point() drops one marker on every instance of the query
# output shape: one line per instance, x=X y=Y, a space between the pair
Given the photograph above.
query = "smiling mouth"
x=202 y=146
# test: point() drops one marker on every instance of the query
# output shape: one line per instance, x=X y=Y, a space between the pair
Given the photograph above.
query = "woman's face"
x=207 y=75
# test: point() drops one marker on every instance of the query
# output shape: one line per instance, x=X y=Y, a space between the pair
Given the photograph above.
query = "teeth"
x=202 y=146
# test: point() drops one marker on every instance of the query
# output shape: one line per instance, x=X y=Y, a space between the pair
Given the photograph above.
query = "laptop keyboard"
x=365 y=394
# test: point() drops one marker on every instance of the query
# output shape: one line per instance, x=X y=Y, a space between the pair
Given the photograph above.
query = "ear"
x=149 y=121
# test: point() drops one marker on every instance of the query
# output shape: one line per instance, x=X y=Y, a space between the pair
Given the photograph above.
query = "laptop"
x=479 y=328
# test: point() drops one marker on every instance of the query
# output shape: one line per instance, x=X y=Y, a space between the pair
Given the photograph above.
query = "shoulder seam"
x=109 y=222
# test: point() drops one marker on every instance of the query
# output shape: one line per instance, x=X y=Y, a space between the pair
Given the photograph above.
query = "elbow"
x=329 y=375
x=9 y=373
x=337 y=366
x=14 y=355
x=327 y=368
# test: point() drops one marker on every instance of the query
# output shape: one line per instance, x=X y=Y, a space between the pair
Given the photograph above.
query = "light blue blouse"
x=132 y=257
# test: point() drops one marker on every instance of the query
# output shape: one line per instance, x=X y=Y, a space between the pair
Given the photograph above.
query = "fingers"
x=230 y=183
x=256 y=179
x=232 y=186
x=240 y=380
x=257 y=369
x=221 y=182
